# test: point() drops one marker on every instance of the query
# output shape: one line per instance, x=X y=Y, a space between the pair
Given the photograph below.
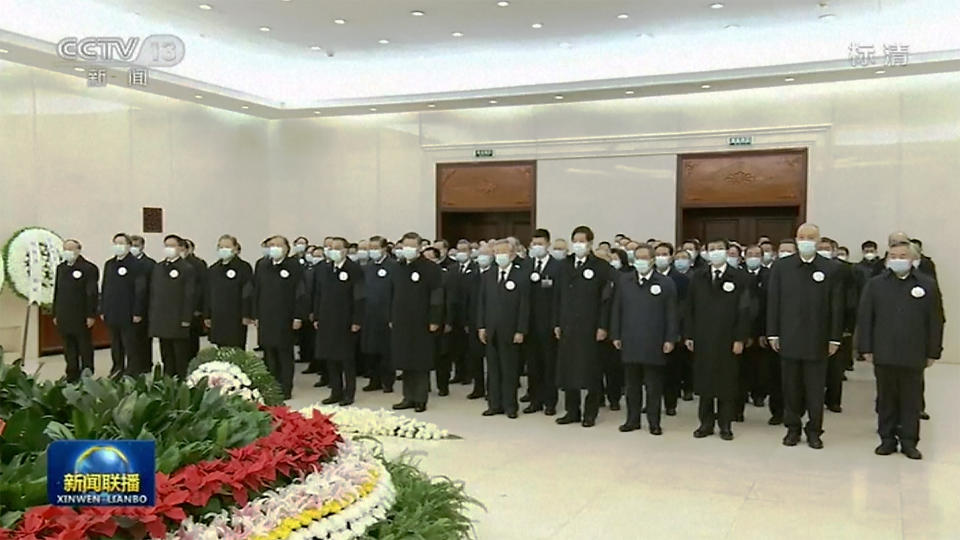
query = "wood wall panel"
x=748 y=178
x=486 y=186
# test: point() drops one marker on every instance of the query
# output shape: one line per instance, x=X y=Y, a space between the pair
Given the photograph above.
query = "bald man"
x=75 y=295
x=805 y=326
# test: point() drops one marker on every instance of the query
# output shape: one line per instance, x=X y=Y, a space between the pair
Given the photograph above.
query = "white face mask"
x=409 y=253
x=580 y=249
x=869 y=256
x=615 y=262
x=120 y=249
x=135 y=251
x=558 y=254
x=69 y=255
x=170 y=252
x=537 y=251
x=375 y=254
x=785 y=254
x=717 y=256
x=806 y=247
x=363 y=254
x=335 y=255
x=225 y=253
x=662 y=261
x=276 y=253
x=826 y=254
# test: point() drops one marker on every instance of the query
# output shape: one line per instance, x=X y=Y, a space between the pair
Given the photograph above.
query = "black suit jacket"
x=899 y=320
x=644 y=317
x=124 y=291
x=504 y=308
x=338 y=303
x=542 y=284
x=805 y=305
x=75 y=294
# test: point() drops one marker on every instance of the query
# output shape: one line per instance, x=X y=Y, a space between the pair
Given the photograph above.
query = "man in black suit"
x=503 y=316
x=279 y=308
x=463 y=273
x=837 y=363
x=753 y=367
x=172 y=304
x=678 y=359
x=582 y=312
x=451 y=306
x=692 y=247
x=805 y=325
x=901 y=332
x=123 y=304
x=541 y=344
x=307 y=335
x=200 y=274
x=227 y=304
x=338 y=303
x=643 y=325
x=375 y=329
x=142 y=329
x=75 y=293
x=716 y=328
x=476 y=350
x=923 y=263
x=416 y=311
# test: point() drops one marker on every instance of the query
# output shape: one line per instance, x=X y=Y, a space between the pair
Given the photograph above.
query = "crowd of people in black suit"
x=774 y=325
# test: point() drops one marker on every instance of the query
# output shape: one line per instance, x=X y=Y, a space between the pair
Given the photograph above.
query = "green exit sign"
x=740 y=141
x=481 y=153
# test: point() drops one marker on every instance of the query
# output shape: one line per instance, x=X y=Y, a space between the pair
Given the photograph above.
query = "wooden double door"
x=743 y=224
x=486 y=200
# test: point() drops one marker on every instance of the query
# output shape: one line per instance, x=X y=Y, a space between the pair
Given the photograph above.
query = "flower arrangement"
x=3 y=272
x=229 y=378
x=32 y=255
x=343 y=499
x=376 y=423
x=245 y=370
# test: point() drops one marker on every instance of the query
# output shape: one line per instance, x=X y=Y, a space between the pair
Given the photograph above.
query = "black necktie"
x=503 y=276
x=579 y=264
x=539 y=266
x=716 y=274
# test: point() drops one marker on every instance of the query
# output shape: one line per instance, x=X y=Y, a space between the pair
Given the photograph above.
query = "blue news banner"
x=101 y=473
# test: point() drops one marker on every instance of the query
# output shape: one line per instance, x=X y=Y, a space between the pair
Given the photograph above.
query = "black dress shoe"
x=320 y=384
x=466 y=381
x=886 y=448
x=625 y=428
x=420 y=407
x=512 y=414
x=310 y=371
x=330 y=400
x=475 y=395
x=567 y=419
x=814 y=441
x=726 y=435
x=550 y=411
x=911 y=452
x=525 y=398
x=671 y=412
x=457 y=379
x=775 y=420
x=532 y=409
x=924 y=415
x=443 y=393
x=702 y=432
x=346 y=402
x=588 y=422
x=615 y=406
x=371 y=387
x=791 y=439
x=835 y=408
x=492 y=412
x=403 y=405
x=656 y=430
x=687 y=396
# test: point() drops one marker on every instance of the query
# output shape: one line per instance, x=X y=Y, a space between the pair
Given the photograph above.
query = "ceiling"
x=308 y=64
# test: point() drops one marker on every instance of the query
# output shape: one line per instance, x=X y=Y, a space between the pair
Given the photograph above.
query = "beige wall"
x=883 y=156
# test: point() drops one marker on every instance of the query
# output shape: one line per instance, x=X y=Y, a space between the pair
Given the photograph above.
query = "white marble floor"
x=543 y=481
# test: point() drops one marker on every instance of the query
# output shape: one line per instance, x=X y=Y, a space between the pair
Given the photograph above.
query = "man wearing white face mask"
x=805 y=326
x=227 y=304
x=75 y=308
x=558 y=251
x=769 y=255
x=123 y=303
x=837 y=363
x=172 y=304
x=901 y=333
x=541 y=347
x=461 y=273
x=142 y=328
x=679 y=369
x=363 y=252
x=375 y=330
x=582 y=319
x=503 y=316
x=476 y=350
x=278 y=309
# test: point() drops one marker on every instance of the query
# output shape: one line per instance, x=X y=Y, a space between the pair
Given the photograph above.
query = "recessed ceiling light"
x=705 y=86
x=316 y=112
x=457 y=34
x=558 y=96
x=4 y=51
x=373 y=109
x=264 y=28
x=629 y=92
x=789 y=79
x=339 y=21
x=503 y=3
x=623 y=16
x=716 y=5
x=80 y=69
x=198 y=96
x=536 y=25
x=205 y=7
x=880 y=71
x=732 y=26
x=417 y=13
x=430 y=105
x=827 y=17
x=492 y=102
x=244 y=107
x=316 y=48
x=565 y=45
x=384 y=41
